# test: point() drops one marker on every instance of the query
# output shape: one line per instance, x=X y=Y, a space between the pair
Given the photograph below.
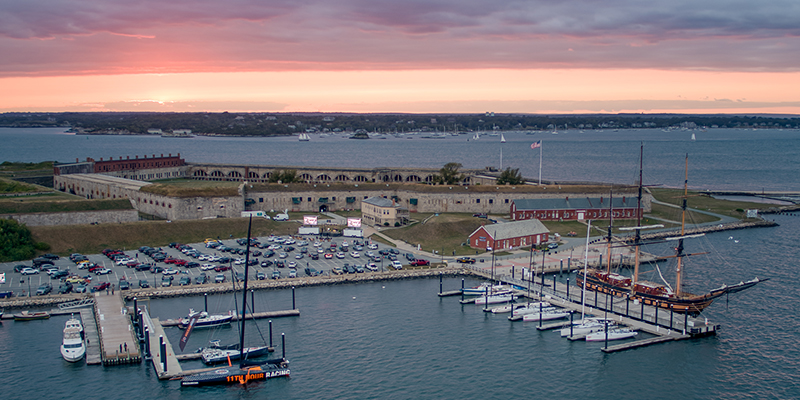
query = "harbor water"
x=398 y=340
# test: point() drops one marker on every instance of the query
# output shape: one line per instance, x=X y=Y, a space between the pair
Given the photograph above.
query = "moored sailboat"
x=246 y=371
x=205 y=320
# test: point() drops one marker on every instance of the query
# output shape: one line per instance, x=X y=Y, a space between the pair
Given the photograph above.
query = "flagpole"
x=540 y=161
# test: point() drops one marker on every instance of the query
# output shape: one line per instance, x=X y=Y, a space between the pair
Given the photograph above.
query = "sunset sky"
x=460 y=56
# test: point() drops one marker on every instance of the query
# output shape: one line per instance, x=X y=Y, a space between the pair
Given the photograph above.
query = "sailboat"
x=246 y=371
x=658 y=294
x=205 y=320
x=304 y=137
x=612 y=334
x=502 y=138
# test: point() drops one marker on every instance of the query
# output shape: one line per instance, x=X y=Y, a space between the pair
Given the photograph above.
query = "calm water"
x=719 y=158
x=399 y=340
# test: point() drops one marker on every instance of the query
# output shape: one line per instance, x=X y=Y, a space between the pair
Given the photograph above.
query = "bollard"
x=205 y=298
x=685 y=322
x=440 y=283
x=270 y=333
x=147 y=342
x=605 y=322
x=283 y=345
x=252 y=304
x=462 y=289
x=656 y=318
x=540 y=313
x=561 y=267
x=570 y=324
x=671 y=313
x=163 y=352
x=294 y=307
x=568 y=290
x=641 y=301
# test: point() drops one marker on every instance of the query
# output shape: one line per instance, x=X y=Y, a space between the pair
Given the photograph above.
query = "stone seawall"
x=75 y=217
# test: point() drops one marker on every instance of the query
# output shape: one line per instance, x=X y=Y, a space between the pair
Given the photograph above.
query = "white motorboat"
x=545 y=315
x=613 y=334
x=496 y=298
x=72 y=346
x=485 y=287
x=586 y=326
x=531 y=308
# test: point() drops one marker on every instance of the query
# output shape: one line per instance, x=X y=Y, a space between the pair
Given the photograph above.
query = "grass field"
x=703 y=202
x=89 y=239
x=445 y=232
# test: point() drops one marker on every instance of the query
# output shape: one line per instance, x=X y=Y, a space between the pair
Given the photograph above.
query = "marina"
x=378 y=327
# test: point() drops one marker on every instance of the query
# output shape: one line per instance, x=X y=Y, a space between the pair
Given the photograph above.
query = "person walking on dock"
x=112 y=288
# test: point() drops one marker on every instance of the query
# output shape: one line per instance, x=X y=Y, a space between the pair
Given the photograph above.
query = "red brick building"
x=574 y=208
x=509 y=235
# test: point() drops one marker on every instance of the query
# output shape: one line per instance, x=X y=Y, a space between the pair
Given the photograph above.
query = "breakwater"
x=705 y=229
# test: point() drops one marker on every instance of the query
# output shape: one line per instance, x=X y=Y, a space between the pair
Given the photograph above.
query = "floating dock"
x=117 y=342
x=663 y=324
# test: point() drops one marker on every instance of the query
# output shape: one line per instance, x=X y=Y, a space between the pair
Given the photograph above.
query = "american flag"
x=536 y=145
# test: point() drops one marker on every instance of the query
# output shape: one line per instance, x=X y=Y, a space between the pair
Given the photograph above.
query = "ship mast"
x=610 y=223
x=679 y=249
x=638 y=234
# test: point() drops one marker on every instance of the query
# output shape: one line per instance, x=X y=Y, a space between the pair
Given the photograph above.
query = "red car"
x=181 y=262
x=221 y=268
x=170 y=260
x=101 y=286
x=419 y=262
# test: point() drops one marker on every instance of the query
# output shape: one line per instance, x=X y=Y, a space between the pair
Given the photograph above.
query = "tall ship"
x=247 y=370
x=654 y=293
x=72 y=346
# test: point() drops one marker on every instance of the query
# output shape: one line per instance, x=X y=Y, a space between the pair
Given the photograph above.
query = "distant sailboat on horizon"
x=502 y=138
x=694 y=137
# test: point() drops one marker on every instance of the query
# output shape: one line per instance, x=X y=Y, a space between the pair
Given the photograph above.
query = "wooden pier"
x=117 y=342
x=92 y=338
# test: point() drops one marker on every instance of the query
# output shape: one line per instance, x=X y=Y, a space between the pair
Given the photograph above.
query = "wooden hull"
x=687 y=303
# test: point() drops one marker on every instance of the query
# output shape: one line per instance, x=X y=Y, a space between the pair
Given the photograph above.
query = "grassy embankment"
x=89 y=239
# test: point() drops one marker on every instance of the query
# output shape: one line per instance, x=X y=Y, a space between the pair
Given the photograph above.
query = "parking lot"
x=206 y=259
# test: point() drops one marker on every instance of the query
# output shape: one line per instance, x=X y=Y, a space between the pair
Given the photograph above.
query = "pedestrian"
x=120 y=348
x=112 y=288
x=106 y=290
x=126 y=347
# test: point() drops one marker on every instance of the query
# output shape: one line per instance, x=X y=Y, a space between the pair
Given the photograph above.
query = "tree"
x=288 y=176
x=449 y=175
x=510 y=176
x=16 y=241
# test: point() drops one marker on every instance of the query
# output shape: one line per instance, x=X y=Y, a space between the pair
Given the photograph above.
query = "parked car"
x=420 y=262
x=201 y=279
x=397 y=265
x=60 y=274
x=220 y=278
x=79 y=288
x=276 y=274
x=143 y=283
x=311 y=271
x=185 y=280
x=29 y=271
x=552 y=245
x=65 y=288
x=100 y=286
x=355 y=254
x=102 y=271
x=292 y=273
x=410 y=257
x=124 y=285
x=466 y=260
x=166 y=281
x=221 y=268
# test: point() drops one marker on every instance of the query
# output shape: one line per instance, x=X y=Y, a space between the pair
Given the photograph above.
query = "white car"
x=369 y=254
x=29 y=271
x=292 y=264
x=275 y=247
x=320 y=250
x=373 y=246
x=124 y=261
x=299 y=256
x=102 y=271
x=371 y=267
x=317 y=244
x=292 y=273
x=397 y=265
x=207 y=267
x=238 y=261
x=283 y=255
x=354 y=254
x=340 y=255
x=289 y=241
x=170 y=271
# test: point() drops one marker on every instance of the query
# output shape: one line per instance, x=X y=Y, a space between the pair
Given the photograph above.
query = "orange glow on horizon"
x=464 y=91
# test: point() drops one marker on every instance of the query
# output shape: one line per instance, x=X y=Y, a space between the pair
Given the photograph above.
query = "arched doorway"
x=323 y=208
